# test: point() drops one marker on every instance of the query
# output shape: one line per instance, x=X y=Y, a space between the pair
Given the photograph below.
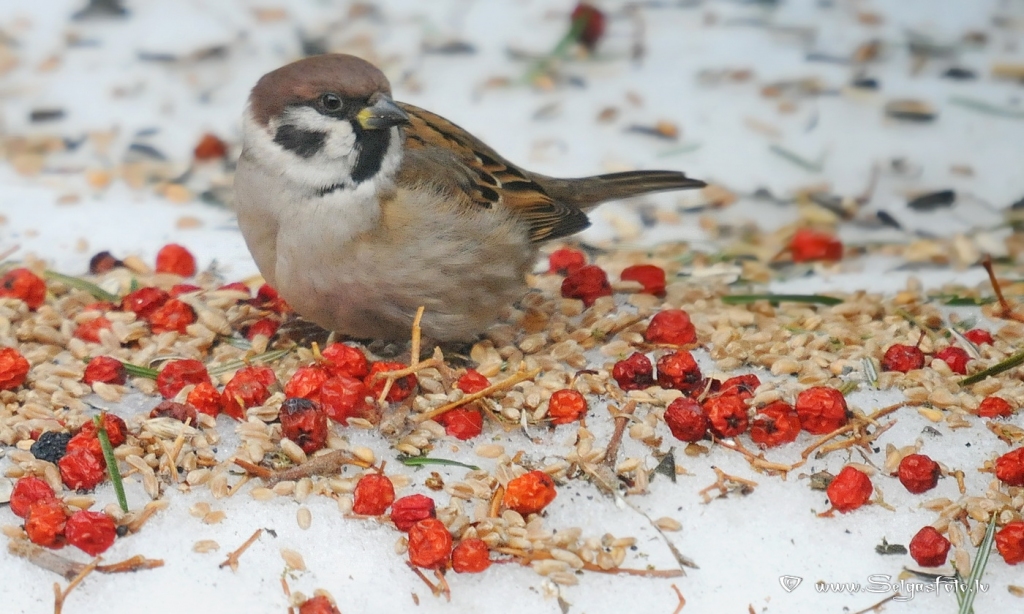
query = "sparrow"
x=359 y=209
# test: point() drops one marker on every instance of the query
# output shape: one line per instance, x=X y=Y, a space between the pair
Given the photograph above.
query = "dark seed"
x=51 y=446
x=932 y=200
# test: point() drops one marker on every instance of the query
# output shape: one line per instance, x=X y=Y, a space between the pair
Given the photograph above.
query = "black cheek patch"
x=373 y=145
x=305 y=143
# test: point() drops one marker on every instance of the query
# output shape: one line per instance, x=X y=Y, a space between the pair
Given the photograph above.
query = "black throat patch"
x=373 y=145
x=305 y=143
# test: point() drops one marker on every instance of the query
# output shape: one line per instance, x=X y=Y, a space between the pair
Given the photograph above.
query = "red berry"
x=28 y=491
x=462 y=423
x=306 y=383
x=979 y=336
x=529 y=493
x=956 y=357
x=205 y=399
x=680 y=371
x=237 y=286
x=106 y=370
x=45 y=523
x=671 y=327
x=144 y=301
x=566 y=260
x=472 y=381
x=471 y=556
x=247 y=388
x=1010 y=467
x=180 y=289
x=174 y=258
x=264 y=326
x=566 y=406
x=929 y=548
x=430 y=543
x=103 y=262
x=305 y=423
x=727 y=415
x=176 y=374
x=343 y=397
x=374 y=494
x=742 y=386
x=341 y=359
x=90 y=330
x=586 y=283
x=850 y=489
x=90 y=532
x=593 y=24
x=114 y=425
x=994 y=407
x=268 y=298
x=400 y=390
x=25 y=285
x=775 y=424
x=686 y=419
x=175 y=411
x=807 y=245
x=634 y=373
x=80 y=469
x=918 y=473
x=319 y=604
x=173 y=315
x=1010 y=542
x=410 y=509
x=210 y=148
x=902 y=358
x=821 y=410
x=87 y=441
x=651 y=277
x=13 y=368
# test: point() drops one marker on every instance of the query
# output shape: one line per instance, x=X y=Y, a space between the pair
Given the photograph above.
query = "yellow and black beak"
x=382 y=115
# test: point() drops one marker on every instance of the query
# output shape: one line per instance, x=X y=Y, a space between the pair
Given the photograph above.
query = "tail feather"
x=589 y=192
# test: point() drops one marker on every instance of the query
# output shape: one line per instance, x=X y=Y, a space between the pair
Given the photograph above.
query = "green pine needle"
x=108 y=456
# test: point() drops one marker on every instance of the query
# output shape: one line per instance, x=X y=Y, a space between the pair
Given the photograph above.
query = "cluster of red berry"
x=48 y=522
x=589 y=282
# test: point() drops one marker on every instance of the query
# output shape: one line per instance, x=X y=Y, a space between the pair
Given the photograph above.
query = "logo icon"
x=789 y=583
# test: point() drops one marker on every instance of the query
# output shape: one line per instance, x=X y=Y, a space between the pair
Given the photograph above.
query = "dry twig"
x=232 y=560
x=520 y=376
x=324 y=464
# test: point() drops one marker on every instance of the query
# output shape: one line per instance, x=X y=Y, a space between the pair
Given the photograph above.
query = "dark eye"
x=330 y=102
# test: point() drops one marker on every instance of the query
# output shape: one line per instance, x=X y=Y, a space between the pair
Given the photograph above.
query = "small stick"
x=885 y=411
x=520 y=376
x=758 y=461
x=434 y=361
x=525 y=558
x=682 y=600
x=67 y=569
x=436 y=590
x=414 y=357
x=151 y=508
x=325 y=464
x=1004 y=305
x=499 y=494
x=443 y=585
x=232 y=560
x=621 y=420
x=238 y=485
x=722 y=484
x=59 y=596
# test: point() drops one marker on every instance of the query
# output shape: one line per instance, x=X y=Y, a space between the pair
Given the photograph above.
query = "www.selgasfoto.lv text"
x=883 y=584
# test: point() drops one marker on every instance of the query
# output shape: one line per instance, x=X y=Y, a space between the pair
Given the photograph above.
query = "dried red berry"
x=343 y=397
x=821 y=410
x=807 y=245
x=173 y=315
x=979 y=336
x=114 y=425
x=918 y=473
x=374 y=494
x=407 y=511
x=319 y=604
x=1010 y=542
x=529 y=493
x=402 y=388
x=264 y=326
x=902 y=358
x=205 y=399
x=566 y=406
x=181 y=289
x=247 y=388
x=268 y=298
x=727 y=415
x=651 y=277
x=45 y=523
x=90 y=532
x=994 y=407
x=306 y=383
x=586 y=283
x=472 y=381
x=850 y=489
x=28 y=491
x=566 y=260
x=237 y=286
x=175 y=411
x=87 y=441
x=13 y=368
x=430 y=543
x=144 y=301
x=177 y=374
x=90 y=330
x=742 y=386
x=462 y=423
x=929 y=548
x=305 y=423
x=471 y=556
x=1010 y=467
x=341 y=359
x=686 y=419
x=176 y=259
x=103 y=262
x=680 y=371
x=634 y=373
x=210 y=148
x=956 y=357
x=80 y=469
x=775 y=424
x=671 y=327
x=25 y=285
x=106 y=370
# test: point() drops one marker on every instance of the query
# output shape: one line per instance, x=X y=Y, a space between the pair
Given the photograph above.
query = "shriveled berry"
x=205 y=399
x=462 y=422
x=587 y=283
x=775 y=424
x=430 y=544
x=680 y=371
x=651 y=277
x=264 y=326
x=181 y=289
x=902 y=358
x=929 y=548
x=727 y=415
x=247 y=388
x=144 y=301
x=106 y=370
x=593 y=24
x=566 y=406
x=306 y=383
x=177 y=374
x=175 y=411
x=175 y=259
x=671 y=327
x=407 y=511
x=979 y=336
x=634 y=373
x=343 y=397
x=13 y=368
x=918 y=473
x=174 y=315
x=28 y=491
x=103 y=262
x=25 y=285
x=81 y=470
x=821 y=410
x=400 y=390
x=114 y=425
x=529 y=493
x=742 y=386
x=1010 y=542
x=90 y=330
x=994 y=407
x=373 y=495
x=268 y=298
x=318 y=604
x=51 y=446
x=90 y=532
x=472 y=381
x=808 y=245
x=686 y=419
x=956 y=357
x=45 y=523
x=237 y=286
x=341 y=359
x=210 y=147
x=87 y=441
x=1010 y=467
x=305 y=423
x=566 y=260
x=850 y=489
x=471 y=556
